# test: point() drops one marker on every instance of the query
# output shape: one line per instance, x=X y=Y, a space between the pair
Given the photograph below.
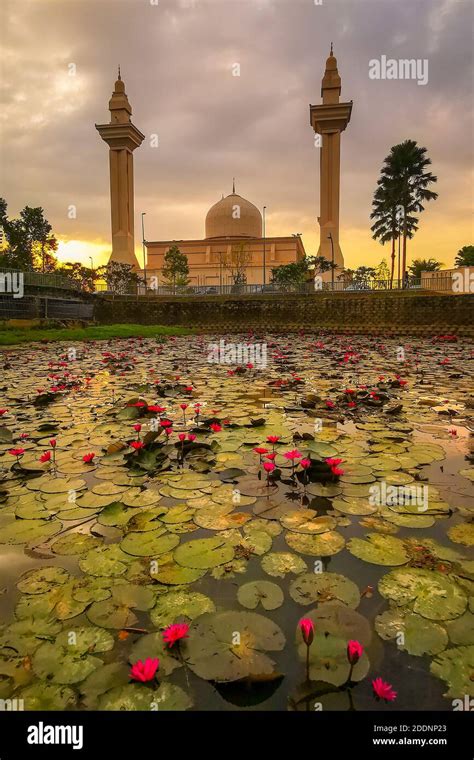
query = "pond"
x=154 y=485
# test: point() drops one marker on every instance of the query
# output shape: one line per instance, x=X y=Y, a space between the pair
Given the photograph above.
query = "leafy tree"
x=291 y=275
x=30 y=242
x=424 y=265
x=176 y=269
x=465 y=256
x=404 y=185
x=84 y=277
x=120 y=278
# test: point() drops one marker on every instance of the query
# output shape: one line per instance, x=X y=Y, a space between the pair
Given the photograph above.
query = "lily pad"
x=264 y=593
x=279 y=564
x=419 y=636
x=323 y=545
x=311 y=588
x=230 y=646
x=431 y=594
x=178 y=604
x=203 y=553
x=379 y=549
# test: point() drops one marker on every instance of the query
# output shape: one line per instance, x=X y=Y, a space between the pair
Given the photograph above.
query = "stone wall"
x=381 y=313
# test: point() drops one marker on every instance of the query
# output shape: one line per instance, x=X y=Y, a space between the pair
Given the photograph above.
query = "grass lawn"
x=13 y=336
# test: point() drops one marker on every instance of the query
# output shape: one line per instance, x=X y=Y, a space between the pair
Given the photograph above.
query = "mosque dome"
x=233 y=216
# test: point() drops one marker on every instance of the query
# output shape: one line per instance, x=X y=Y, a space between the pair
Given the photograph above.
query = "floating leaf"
x=323 y=545
x=230 y=646
x=311 y=588
x=266 y=593
x=434 y=596
x=202 y=553
x=455 y=666
x=379 y=549
x=279 y=564
x=175 y=605
x=419 y=636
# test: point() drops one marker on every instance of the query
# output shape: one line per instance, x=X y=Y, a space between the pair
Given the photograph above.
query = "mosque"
x=235 y=244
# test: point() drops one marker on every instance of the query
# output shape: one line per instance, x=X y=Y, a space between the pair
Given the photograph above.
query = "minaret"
x=329 y=119
x=122 y=137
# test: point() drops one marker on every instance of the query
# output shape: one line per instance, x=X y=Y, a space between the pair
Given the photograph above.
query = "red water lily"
x=383 y=690
x=137 y=445
x=307 y=630
x=332 y=462
x=88 y=458
x=191 y=437
x=16 y=452
x=3 y=411
x=355 y=651
x=144 y=671
x=45 y=457
x=175 y=633
x=215 y=427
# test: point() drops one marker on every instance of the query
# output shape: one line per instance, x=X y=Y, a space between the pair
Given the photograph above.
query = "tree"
x=385 y=227
x=288 y=276
x=176 y=269
x=237 y=262
x=404 y=184
x=424 y=265
x=30 y=242
x=120 y=278
x=465 y=256
x=84 y=277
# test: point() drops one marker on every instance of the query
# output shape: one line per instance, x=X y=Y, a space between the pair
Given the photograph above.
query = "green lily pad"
x=311 y=588
x=178 y=604
x=229 y=646
x=172 y=574
x=266 y=593
x=462 y=534
x=433 y=595
x=42 y=696
x=323 y=545
x=455 y=666
x=167 y=697
x=379 y=549
x=419 y=636
x=75 y=543
x=461 y=630
x=62 y=665
x=109 y=614
x=42 y=579
x=149 y=544
x=105 y=560
x=26 y=531
x=354 y=506
x=307 y=521
x=203 y=553
x=279 y=564
x=86 y=640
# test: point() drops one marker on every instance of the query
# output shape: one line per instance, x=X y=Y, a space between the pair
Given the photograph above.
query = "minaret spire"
x=331 y=53
x=119 y=77
x=233 y=185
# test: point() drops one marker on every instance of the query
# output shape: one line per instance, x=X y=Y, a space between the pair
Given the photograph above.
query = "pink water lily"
x=355 y=651
x=144 y=671
x=175 y=633
x=383 y=690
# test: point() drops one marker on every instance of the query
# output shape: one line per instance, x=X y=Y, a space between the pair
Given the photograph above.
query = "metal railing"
x=442 y=284
x=39 y=279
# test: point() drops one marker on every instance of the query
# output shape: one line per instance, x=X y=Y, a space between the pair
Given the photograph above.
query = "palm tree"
x=465 y=256
x=385 y=228
x=404 y=184
x=424 y=265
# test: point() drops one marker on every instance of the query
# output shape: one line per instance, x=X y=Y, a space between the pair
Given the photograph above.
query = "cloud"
x=177 y=63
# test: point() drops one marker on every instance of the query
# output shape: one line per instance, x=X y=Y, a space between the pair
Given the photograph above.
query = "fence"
x=38 y=279
x=441 y=284
x=36 y=307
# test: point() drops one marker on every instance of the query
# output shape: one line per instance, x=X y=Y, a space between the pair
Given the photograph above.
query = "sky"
x=58 y=64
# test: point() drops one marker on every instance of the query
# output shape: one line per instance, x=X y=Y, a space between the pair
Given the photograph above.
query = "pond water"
x=98 y=557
